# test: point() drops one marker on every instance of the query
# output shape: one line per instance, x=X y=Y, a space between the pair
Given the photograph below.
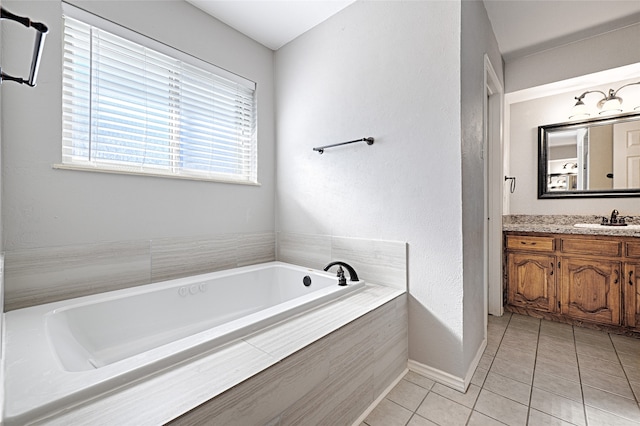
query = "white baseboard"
x=474 y=363
x=439 y=376
x=454 y=382
x=375 y=403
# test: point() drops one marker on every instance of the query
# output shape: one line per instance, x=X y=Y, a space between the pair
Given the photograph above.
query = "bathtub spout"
x=353 y=276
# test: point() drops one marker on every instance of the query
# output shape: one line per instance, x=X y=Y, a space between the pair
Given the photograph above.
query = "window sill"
x=160 y=175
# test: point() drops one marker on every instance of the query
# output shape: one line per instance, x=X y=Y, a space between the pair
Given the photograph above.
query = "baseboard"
x=439 y=376
x=474 y=363
x=375 y=403
x=442 y=377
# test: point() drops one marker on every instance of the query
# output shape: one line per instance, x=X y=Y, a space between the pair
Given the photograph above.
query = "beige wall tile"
x=37 y=276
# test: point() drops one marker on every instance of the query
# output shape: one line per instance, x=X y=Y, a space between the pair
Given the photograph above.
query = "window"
x=132 y=109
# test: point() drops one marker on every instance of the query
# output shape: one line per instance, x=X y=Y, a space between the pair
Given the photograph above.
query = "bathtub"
x=63 y=353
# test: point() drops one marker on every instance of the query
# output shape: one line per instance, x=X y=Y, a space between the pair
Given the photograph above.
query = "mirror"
x=591 y=158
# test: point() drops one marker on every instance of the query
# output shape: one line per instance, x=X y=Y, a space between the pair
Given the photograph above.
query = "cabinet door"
x=590 y=290
x=531 y=281
x=631 y=282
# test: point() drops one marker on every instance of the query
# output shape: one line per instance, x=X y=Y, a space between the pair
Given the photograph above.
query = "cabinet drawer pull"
x=533 y=243
x=551 y=269
x=617 y=276
x=630 y=275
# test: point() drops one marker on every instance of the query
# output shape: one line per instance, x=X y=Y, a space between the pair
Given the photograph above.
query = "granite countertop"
x=563 y=224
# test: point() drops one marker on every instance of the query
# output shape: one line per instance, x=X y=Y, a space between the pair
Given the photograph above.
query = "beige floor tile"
x=632 y=373
x=601 y=340
x=625 y=344
x=504 y=319
x=629 y=360
x=567 y=370
x=606 y=382
x=611 y=403
x=479 y=419
x=491 y=349
x=388 y=413
x=499 y=407
x=635 y=386
x=558 y=406
x=538 y=418
x=558 y=385
x=479 y=375
x=556 y=329
x=443 y=411
x=407 y=394
x=508 y=388
x=485 y=361
x=515 y=354
x=556 y=344
x=554 y=354
x=512 y=370
x=419 y=380
x=596 y=351
x=600 y=365
x=416 y=420
x=525 y=325
x=468 y=398
x=599 y=417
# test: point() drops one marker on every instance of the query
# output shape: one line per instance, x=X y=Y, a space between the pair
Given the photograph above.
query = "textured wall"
x=476 y=40
x=390 y=70
x=609 y=50
x=43 y=207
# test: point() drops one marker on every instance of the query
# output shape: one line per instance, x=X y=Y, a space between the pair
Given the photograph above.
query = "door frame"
x=493 y=118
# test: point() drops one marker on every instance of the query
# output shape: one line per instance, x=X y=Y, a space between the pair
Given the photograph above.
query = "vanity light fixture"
x=610 y=103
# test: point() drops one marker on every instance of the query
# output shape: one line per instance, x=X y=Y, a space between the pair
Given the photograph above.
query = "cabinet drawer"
x=591 y=247
x=529 y=242
x=633 y=249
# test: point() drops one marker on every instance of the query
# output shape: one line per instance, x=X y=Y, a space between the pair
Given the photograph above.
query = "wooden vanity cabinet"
x=580 y=279
x=532 y=272
x=590 y=290
x=631 y=284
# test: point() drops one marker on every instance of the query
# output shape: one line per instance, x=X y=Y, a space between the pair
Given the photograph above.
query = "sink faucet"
x=614 y=216
x=353 y=276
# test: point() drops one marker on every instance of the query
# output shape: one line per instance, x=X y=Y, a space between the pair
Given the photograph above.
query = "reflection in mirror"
x=591 y=158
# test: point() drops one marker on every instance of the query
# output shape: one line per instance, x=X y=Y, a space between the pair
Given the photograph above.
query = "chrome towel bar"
x=321 y=149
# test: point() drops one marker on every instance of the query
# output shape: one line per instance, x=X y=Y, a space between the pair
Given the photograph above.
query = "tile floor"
x=532 y=373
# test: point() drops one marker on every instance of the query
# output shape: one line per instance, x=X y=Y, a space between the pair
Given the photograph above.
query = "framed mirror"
x=590 y=158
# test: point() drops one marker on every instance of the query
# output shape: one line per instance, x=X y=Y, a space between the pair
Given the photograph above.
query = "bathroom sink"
x=598 y=226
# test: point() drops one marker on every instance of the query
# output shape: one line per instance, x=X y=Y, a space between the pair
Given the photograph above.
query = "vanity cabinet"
x=531 y=270
x=631 y=281
x=581 y=279
x=590 y=290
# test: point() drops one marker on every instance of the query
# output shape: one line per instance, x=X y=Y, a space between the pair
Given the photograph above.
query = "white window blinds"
x=128 y=108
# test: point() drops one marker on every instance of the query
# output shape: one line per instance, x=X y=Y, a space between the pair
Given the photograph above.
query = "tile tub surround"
x=377 y=261
x=533 y=372
x=563 y=224
x=325 y=366
x=49 y=274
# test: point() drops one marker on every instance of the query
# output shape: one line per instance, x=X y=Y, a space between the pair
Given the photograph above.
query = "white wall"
x=46 y=207
x=606 y=51
x=525 y=117
x=390 y=70
x=477 y=39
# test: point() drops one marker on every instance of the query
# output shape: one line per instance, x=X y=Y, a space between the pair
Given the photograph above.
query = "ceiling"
x=521 y=27
x=272 y=23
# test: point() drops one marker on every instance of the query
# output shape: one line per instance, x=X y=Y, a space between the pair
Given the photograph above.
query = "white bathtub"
x=63 y=353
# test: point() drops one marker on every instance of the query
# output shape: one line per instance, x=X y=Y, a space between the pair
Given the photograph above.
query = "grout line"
x=533 y=374
x=584 y=405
